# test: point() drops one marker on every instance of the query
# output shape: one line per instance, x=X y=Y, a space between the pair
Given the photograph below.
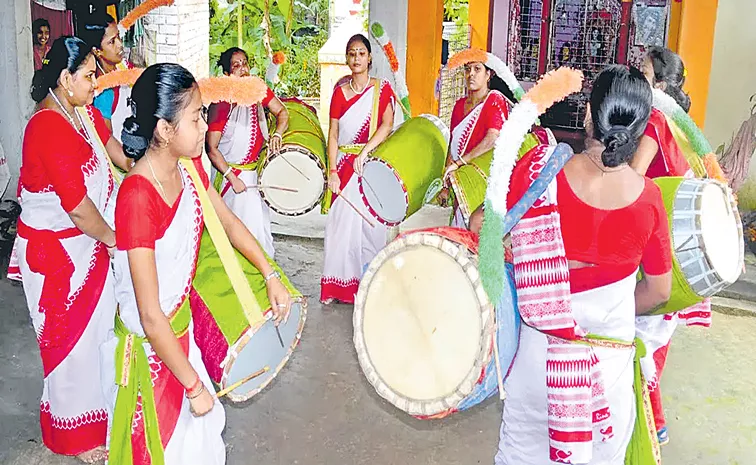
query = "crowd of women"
x=107 y=261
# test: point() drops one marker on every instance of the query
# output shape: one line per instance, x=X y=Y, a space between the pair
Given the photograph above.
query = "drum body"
x=707 y=239
x=398 y=173
x=231 y=349
x=302 y=164
x=424 y=329
x=469 y=182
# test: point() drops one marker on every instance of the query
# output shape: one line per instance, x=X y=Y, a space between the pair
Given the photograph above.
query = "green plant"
x=456 y=11
x=298 y=29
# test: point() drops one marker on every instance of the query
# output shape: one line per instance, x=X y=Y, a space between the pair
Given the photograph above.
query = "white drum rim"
x=414 y=407
x=365 y=199
x=305 y=151
x=244 y=339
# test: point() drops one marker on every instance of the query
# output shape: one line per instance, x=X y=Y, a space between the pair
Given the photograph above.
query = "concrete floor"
x=320 y=410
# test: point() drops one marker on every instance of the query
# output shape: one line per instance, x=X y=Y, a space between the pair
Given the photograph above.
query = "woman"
x=101 y=33
x=362 y=116
x=159 y=224
x=660 y=155
x=41 y=37
x=234 y=141
x=475 y=124
x=65 y=236
x=596 y=224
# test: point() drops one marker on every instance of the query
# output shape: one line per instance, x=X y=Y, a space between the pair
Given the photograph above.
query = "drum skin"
x=428 y=316
x=304 y=142
x=707 y=239
x=230 y=348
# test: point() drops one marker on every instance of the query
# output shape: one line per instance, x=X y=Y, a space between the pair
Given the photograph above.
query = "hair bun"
x=134 y=143
x=619 y=146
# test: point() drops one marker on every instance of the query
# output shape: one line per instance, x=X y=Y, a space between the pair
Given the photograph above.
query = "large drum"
x=707 y=239
x=398 y=173
x=469 y=182
x=424 y=329
x=231 y=349
x=301 y=164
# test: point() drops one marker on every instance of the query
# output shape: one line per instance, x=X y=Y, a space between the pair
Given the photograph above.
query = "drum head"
x=260 y=347
x=294 y=168
x=384 y=192
x=423 y=327
x=721 y=232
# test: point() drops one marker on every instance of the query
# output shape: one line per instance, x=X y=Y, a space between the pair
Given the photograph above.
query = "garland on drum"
x=402 y=92
x=693 y=133
x=550 y=89
x=139 y=12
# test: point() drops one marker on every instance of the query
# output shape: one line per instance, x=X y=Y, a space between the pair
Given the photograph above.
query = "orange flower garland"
x=142 y=10
x=244 y=91
x=471 y=55
x=279 y=58
x=118 y=78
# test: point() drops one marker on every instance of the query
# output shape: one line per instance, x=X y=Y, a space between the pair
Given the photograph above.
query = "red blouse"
x=614 y=241
x=54 y=153
x=492 y=116
x=340 y=105
x=142 y=216
x=669 y=159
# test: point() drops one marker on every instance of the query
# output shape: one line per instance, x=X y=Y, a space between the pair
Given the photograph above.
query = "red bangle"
x=194 y=385
x=334 y=171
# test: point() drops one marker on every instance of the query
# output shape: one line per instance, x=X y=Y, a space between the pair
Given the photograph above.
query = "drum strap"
x=376 y=107
x=225 y=250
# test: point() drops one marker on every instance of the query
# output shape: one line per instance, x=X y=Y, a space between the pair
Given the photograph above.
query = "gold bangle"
x=201 y=389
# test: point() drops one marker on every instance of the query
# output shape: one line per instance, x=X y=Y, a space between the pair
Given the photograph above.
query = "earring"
x=70 y=93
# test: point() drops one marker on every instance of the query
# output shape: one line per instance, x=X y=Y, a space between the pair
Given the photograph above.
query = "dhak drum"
x=398 y=173
x=301 y=164
x=707 y=239
x=231 y=349
x=424 y=329
x=469 y=182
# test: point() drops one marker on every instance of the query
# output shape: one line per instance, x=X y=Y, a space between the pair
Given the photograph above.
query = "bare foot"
x=96 y=455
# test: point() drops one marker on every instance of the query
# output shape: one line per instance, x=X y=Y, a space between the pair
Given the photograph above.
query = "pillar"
x=695 y=45
x=16 y=71
x=392 y=14
x=424 y=24
x=479 y=16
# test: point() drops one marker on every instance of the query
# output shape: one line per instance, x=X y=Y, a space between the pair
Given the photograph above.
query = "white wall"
x=733 y=70
x=16 y=71
x=500 y=29
x=392 y=14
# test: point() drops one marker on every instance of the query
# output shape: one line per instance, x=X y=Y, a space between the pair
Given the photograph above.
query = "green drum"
x=469 y=182
x=398 y=173
x=293 y=181
x=707 y=239
x=231 y=348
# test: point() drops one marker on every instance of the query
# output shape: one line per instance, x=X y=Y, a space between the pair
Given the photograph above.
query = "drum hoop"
x=300 y=149
x=717 y=283
x=236 y=347
x=370 y=207
x=460 y=193
x=415 y=407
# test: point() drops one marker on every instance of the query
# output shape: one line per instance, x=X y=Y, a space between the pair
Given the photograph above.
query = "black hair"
x=66 y=53
x=621 y=102
x=225 y=59
x=359 y=38
x=497 y=83
x=161 y=92
x=670 y=69
x=94 y=30
x=37 y=25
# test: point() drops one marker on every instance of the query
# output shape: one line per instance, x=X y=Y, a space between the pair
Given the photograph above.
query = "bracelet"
x=271 y=275
x=275 y=134
x=194 y=385
x=334 y=171
x=225 y=175
x=201 y=389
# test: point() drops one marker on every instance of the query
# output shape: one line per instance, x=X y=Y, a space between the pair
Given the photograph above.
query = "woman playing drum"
x=101 y=33
x=234 y=140
x=160 y=222
x=597 y=222
x=475 y=122
x=65 y=236
x=660 y=155
x=362 y=116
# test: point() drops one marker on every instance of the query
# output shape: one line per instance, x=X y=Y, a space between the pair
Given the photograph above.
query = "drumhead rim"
x=233 y=353
x=418 y=407
x=302 y=150
x=401 y=183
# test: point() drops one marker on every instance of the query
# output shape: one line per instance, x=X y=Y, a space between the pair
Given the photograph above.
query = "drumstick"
x=254 y=375
x=499 y=374
x=265 y=186
x=292 y=165
x=372 y=190
x=358 y=211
